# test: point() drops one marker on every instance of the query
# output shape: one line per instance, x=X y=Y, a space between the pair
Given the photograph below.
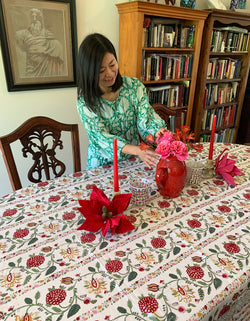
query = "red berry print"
x=164 y=204
x=88 y=238
x=69 y=216
x=158 y=242
x=54 y=198
x=195 y=272
x=194 y=223
x=247 y=196
x=224 y=209
x=131 y=218
x=35 y=261
x=232 y=248
x=122 y=176
x=148 y=304
x=10 y=212
x=41 y=184
x=192 y=192
x=55 y=297
x=79 y=174
x=90 y=186
x=224 y=310
x=218 y=182
x=19 y=234
x=114 y=266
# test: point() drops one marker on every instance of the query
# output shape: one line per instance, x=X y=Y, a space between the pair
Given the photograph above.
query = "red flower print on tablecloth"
x=114 y=266
x=35 y=261
x=181 y=309
x=192 y=192
x=106 y=166
x=195 y=272
x=55 y=297
x=218 y=182
x=247 y=196
x=90 y=186
x=42 y=184
x=78 y=174
x=194 y=223
x=163 y=204
x=122 y=176
x=148 y=169
x=148 y=304
x=19 y=234
x=232 y=248
x=158 y=242
x=54 y=198
x=224 y=209
x=224 y=310
x=131 y=218
x=132 y=159
x=10 y=212
x=88 y=238
x=86 y=300
x=69 y=216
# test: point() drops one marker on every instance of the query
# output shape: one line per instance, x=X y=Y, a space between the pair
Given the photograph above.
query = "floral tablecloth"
x=187 y=259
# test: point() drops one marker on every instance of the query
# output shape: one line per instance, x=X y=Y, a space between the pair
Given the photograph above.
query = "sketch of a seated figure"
x=44 y=53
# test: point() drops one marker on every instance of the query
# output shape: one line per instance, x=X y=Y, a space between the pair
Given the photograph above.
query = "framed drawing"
x=39 y=43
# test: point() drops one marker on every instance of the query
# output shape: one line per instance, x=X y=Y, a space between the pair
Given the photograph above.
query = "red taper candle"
x=116 y=182
x=211 y=147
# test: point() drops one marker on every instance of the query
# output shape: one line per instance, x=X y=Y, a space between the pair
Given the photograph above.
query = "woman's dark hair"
x=90 y=57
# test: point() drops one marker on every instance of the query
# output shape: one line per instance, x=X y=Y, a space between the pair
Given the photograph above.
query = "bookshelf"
x=135 y=49
x=222 y=75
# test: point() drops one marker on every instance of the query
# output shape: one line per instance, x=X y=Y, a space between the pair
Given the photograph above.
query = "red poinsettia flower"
x=226 y=168
x=101 y=213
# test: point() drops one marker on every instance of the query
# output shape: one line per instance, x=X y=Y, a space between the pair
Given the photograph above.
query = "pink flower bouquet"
x=170 y=144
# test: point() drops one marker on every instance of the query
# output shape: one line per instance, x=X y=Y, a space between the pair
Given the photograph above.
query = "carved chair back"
x=40 y=138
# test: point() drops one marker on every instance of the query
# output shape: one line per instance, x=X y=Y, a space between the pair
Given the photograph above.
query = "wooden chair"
x=165 y=112
x=40 y=137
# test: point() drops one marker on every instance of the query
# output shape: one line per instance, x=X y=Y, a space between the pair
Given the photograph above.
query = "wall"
x=15 y=107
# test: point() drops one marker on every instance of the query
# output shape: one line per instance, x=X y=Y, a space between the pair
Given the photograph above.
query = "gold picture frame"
x=39 y=43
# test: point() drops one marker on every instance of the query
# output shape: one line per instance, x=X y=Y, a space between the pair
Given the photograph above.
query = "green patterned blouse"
x=124 y=118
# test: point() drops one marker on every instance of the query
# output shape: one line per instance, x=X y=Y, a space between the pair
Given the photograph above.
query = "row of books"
x=166 y=66
x=229 y=39
x=223 y=136
x=224 y=68
x=220 y=93
x=157 y=32
x=225 y=116
x=172 y=120
x=173 y=95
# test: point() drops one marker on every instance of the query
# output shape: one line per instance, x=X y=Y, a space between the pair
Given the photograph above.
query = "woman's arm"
x=148 y=156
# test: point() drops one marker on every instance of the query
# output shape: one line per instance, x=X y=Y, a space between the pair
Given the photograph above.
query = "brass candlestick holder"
x=116 y=193
x=208 y=170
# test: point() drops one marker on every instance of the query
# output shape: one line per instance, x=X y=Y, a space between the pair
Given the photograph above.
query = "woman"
x=112 y=106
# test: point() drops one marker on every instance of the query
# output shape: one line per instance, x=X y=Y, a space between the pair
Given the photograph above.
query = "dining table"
x=186 y=259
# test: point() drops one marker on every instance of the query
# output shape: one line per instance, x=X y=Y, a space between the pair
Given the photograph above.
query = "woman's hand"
x=148 y=156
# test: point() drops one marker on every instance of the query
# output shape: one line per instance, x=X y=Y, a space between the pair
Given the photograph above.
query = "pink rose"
x=167 y=136
x=164 y=149
x=179 y=150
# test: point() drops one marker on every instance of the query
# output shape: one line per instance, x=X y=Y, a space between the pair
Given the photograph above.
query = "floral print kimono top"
x=123 y=118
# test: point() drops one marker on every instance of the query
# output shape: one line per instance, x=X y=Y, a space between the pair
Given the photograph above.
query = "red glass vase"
x=170 y=176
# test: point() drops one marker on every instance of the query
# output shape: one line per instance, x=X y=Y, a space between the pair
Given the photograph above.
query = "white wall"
x=15 y=107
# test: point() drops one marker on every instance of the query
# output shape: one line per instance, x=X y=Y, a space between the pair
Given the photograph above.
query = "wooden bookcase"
x=132 y=50
x=226 y=128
